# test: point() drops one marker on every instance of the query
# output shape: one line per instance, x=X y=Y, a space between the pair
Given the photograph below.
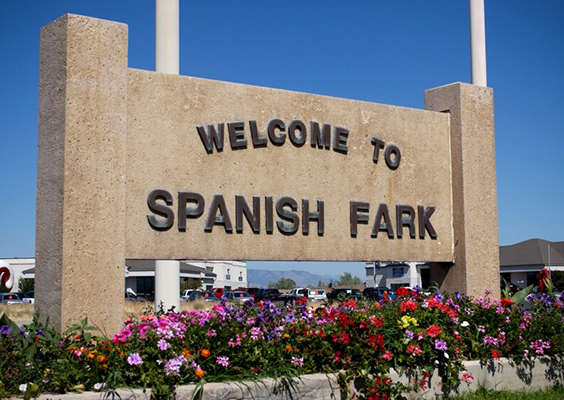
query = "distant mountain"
x=261 y=277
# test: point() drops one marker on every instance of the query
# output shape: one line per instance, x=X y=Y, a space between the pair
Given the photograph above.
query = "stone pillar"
x=80 y=223
x=474 y=191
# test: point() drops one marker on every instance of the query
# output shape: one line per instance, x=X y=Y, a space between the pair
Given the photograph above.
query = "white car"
x=298 y=292
x=317 y=295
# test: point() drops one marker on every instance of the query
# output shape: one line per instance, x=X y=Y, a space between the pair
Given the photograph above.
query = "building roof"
x=532 y=252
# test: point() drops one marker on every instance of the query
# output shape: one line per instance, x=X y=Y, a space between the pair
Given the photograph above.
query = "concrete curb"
x=500 y=374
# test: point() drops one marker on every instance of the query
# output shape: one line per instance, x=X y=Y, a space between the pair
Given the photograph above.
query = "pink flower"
x=387 y=355
x=467 y=377
x=298 y=361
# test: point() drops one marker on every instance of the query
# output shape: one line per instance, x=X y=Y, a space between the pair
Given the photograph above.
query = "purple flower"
x=5 y=329
x=172 y=366
x=440 y=344
x=222 y=361
x=134 y=359
x=163 y=345
x=439 y=296
x=211 y=333
x=409 y=334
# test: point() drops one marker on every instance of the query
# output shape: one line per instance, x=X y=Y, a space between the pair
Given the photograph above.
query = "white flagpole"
x=167 y=49
x=478 y=43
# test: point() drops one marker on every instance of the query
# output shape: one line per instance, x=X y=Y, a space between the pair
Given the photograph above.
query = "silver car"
x=10 y=298
x=238 y=295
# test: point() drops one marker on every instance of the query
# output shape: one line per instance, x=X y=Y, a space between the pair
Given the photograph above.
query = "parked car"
x=299 y=292
x=186 y=293
x=275 y=295
x=207 y=296
x=218 y=292
x=10 y=298
x=132 y=296
x=28 y=297
x=377 y=293
x=238 y=295
x=316 y=295
x=345 y=293
x=252 y=291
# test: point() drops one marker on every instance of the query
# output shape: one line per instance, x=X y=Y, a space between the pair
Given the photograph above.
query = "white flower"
x=465 y=324
x=99 y=386
x=436 y=362
x=446 y=355
x=23 y=387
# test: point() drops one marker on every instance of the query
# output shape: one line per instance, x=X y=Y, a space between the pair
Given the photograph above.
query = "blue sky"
x=379 y=51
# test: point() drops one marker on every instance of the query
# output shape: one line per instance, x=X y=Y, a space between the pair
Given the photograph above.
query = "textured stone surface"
x=166 y=152
x=476 y=252
x=80 y=237
x=541 y=373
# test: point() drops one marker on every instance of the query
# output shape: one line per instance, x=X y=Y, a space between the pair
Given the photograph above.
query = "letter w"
x=212 y=137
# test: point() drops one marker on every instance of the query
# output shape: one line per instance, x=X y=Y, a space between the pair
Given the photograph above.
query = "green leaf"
x=522 y=294
x=4 y=320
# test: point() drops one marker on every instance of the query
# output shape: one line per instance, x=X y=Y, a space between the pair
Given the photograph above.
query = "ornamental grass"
x=416 y=332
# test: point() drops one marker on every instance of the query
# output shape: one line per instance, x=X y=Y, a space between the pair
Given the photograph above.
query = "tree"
x=26 y=284
x=190 y=283
x=347 y=280
x=320 y=283
x=282 y=283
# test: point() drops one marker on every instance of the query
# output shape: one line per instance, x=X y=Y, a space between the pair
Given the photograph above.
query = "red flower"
x=496 y=354
x=433 y=330
x=543 y=278
x=408 y=305
x=506 y=302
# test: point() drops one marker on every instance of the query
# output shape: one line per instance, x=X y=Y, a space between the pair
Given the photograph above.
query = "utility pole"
x=478 y=43
x=167 y=49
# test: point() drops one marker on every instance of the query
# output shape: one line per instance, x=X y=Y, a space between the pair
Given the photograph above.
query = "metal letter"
x=425 y=223
x=237 y=135
x=292 y=228
x=401 y=222
x=269 y=215
x=320 y=139
x=378 y=144
x=386 y=225
x=340 y=140
x=297 y=141
x=258 y=141
x=392 y=149
x=313 y=216
x=218 y=203
x=276 y=124
x=253 y=218
x=184 y=212
x=357 y=207
x=212 y=137
x=159 y=209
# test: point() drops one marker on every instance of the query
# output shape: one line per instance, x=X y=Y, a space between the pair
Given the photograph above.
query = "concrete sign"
x=138 y=164
x=227 y=171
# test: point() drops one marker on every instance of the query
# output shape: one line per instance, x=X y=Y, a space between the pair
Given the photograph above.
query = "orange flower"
x=199 y=373
x=288 y=348
x=90 y=356
x=286 y=335
x=105 y=366
x=186 y=353
x=102 y=359
x=205 y=353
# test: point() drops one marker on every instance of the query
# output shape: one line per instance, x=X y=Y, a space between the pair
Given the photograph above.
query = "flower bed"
x=415 y=334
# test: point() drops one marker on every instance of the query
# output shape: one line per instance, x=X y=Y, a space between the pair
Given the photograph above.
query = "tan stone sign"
x=242 y=172
x=136 y=164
